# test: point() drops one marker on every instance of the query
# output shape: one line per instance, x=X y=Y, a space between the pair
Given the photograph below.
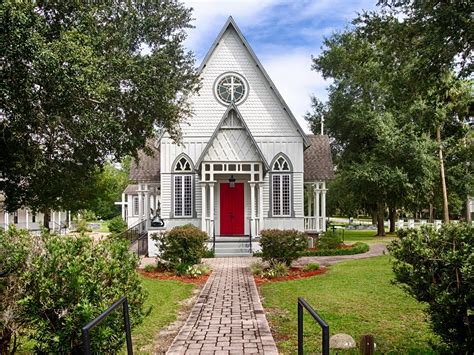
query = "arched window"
x=183 y=187
x=183 y=165
x=281 y=187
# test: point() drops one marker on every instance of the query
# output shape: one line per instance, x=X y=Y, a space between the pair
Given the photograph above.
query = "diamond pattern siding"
x=232 y=145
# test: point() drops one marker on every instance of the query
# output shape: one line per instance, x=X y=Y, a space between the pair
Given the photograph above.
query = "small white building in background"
x=244 y=164
x=24 y=218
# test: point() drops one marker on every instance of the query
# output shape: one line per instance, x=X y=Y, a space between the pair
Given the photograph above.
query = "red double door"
x=232 y=209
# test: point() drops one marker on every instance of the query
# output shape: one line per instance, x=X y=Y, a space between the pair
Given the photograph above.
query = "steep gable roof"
x=231 y=23
x=318 y=160
x=218 y=128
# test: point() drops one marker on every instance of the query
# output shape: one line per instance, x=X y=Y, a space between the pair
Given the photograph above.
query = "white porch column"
x=140 y=202
x=146 y=206
x=252 y=209
x=69 y=219
x=203 y=208
x=152 y=203
x=211 y=207
x=6 y=219
x=27 y=218
x=317 y=213
x=260 y=207
x=310 y=200
x=323 y=206
x=123 y=206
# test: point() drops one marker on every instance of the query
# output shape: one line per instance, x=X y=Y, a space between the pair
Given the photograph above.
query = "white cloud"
x=288 y=64
x=210 y=16
x=296 y=82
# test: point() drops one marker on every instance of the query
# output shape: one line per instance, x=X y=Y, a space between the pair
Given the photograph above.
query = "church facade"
x=244 y=163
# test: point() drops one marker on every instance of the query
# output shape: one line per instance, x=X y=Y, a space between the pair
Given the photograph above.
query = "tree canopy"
x=385 y=122
x=83 y=83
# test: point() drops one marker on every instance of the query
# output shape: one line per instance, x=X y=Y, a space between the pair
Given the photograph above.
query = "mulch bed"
x=166 y=275
x=294 y=273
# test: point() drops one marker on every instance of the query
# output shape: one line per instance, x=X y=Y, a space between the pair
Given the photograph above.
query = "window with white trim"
x=281 y=188
x=183 y=188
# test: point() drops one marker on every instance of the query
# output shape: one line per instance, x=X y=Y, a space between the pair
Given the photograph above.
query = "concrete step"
x=232 y=245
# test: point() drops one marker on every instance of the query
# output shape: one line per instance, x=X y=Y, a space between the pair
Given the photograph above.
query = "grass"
x=354 y=297
x=163 y=297
x=366 y=236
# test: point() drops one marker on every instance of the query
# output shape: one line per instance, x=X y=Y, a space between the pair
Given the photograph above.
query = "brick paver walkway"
x=228 y=317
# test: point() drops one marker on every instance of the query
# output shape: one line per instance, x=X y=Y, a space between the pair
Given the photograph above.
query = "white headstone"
x=437 y=224
x=411 y=223
x=342 y=341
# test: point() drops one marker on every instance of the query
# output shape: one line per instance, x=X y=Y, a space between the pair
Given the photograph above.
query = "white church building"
x=244 y=163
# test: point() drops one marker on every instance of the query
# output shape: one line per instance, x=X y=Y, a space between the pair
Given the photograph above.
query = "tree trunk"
x=46 y=219
x=374 y=217
x=442 y=176
x=380 y=220
x=431 y=220
x=5 y=340
x=393 y=217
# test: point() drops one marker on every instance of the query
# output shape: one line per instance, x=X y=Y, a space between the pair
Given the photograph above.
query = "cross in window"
x=232 y=86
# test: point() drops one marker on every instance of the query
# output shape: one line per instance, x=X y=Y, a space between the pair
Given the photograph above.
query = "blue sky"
x=283 y=34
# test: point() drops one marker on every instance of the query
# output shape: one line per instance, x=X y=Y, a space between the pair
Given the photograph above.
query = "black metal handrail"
x=324 y=326
x=85 y=330
x=137 y=234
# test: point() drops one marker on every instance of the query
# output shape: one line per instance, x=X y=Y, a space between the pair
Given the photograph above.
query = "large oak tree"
x=83 y=83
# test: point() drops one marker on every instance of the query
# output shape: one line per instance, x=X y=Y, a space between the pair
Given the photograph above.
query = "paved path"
x=375 y=250
x=228 y=317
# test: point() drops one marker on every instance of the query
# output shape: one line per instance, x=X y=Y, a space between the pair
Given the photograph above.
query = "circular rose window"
x=231 y=87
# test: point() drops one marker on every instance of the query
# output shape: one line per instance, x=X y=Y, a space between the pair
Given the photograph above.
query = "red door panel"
x=232 y=209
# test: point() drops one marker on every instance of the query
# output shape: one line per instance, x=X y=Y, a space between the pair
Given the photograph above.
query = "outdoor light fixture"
x=232 y=182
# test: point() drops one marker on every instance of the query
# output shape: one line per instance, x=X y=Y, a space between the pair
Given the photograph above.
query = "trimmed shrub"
x=117 y=225
x=311 y=267
x=15 y=248
x=68 y=281
x=357 y=248
x=182 y=245
x=282 y=246
x=437 y=267
x=329 y=240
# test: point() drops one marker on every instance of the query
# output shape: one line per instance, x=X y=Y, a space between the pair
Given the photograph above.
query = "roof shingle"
x=147 y=167
x=318 y=160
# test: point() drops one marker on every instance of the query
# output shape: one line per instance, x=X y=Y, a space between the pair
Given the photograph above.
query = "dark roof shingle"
x=147 y=167
x=318 y=160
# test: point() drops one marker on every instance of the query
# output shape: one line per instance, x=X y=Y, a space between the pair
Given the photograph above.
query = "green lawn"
x=366 y=236
x=354 y=297
x=164 y=297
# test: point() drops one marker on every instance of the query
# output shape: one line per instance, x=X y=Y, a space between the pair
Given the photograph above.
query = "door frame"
x=218 y=207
